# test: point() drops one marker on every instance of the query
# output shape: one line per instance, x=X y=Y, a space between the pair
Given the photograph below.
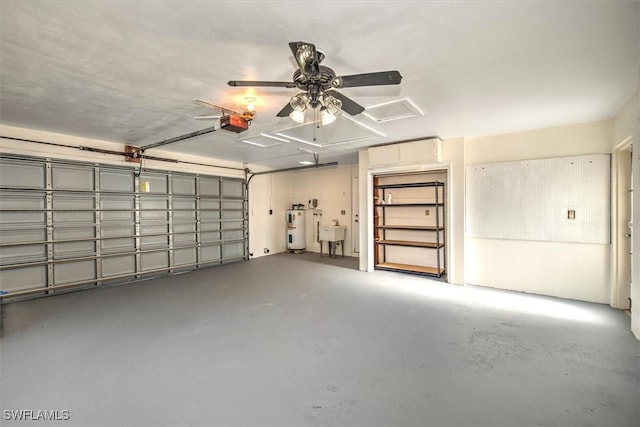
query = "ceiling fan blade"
x=294 y=47
x=257 y=83
x=288 y=109
x=307 y=58
x=215 y=116
x=348 y=105
x=368 y=79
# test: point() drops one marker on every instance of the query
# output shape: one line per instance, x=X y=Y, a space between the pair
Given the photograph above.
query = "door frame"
x=366 y=216
x=620 y=220
x=355 y=215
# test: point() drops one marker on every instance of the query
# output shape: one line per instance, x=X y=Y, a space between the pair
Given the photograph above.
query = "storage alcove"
x=409 y=223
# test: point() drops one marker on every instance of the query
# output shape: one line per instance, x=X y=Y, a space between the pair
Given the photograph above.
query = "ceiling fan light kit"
x=328 y=117
x=298 y=104
x=250 y=100
x=318 y=84
x=298 y=115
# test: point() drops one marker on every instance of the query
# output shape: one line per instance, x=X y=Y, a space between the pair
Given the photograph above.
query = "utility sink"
x=332 y=233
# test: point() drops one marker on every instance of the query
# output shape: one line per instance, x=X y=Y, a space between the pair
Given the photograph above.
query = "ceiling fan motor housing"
x=322 y=81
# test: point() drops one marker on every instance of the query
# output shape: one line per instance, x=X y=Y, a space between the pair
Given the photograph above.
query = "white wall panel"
x=530 y=200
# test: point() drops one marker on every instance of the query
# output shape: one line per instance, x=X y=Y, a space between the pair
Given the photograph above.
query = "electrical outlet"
x=343 y=212
x=571 y=214
x=270 y=211
x=266 y=250
x=427 y=212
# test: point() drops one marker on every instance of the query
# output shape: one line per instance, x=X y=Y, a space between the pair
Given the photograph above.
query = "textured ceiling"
x=128 y=71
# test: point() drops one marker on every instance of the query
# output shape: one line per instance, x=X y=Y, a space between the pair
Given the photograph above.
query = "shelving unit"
x=407 y=237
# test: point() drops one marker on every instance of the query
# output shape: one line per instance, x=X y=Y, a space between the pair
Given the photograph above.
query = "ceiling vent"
x=393 y=110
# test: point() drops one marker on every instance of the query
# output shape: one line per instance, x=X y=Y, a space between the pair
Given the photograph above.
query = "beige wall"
x=567 y=270
x=578 y=271
x=625 y=123
x=279 y=191
x=572 y=140
x=268 y=192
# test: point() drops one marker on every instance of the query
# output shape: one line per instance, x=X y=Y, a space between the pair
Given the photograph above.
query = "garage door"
x=65 y=224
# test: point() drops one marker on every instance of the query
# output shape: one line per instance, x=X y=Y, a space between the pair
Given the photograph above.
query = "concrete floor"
x=291 y=340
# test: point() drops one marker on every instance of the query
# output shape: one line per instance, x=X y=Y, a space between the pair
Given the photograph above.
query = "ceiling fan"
x=319 y=83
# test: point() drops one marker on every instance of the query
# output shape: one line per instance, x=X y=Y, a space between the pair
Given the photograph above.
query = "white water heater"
x=295 y=230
